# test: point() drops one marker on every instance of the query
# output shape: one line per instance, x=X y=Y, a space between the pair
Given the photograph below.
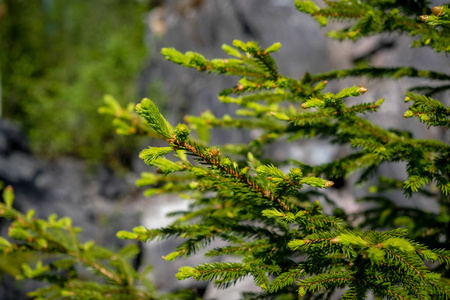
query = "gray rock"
x=97 y=202
x=12 y=139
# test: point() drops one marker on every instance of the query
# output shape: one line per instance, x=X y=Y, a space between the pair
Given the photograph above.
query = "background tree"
x=58 y=59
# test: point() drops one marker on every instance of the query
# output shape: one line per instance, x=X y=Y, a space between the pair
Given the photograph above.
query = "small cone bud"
x=408 y=114
x=362 y=89
x=424 y=18
x=437 y=11
x=329 y=184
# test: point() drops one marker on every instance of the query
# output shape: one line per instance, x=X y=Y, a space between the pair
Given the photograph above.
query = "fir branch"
x=215 y=161
x=372 y=72
x=285 y=279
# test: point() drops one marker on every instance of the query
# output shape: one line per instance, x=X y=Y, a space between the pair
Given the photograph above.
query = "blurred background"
x=58 y=58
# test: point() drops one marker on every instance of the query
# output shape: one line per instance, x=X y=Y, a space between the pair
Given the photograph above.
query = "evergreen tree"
x=263 y=209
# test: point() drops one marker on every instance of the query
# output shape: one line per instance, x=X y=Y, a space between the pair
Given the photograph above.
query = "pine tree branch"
x=228 y=170
x=372 y=72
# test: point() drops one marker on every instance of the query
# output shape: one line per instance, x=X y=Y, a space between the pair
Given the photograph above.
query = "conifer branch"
x=372 y=72
x=214 y=160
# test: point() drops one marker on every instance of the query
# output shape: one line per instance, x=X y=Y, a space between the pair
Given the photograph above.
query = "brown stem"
x=241 y=177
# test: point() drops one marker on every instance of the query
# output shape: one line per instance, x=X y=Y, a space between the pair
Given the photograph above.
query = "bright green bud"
x=125 y=235
x=152 y=153
x=376 y=255
x=30 y=214
x=280 y=116
x=4 y=242
x=172 y=256
x=230 y=50
x=66 y=293
x=398 y=243
x=240 y=45
x=373 y=189
x=296 y=172
x=320 y=86
x=274 y=48
x=424 y=117
x=19 y=234
x=350 y=239
x=225 y=162
x=308 y=7
x=290 y=217
x=42 y=243
x=227 y=118
x=88 y=245
x=148 y=110
x=379 y=102
x=313 y=102
x=147 y=178
x=140 y=229
x=272 y=213
x=430 y=254
x=317 y=182
x=250 y=156
x=300 y=213
x=187 y=272
x=322 y=20
x=295 y=244
x=182 y=132
x=408 y=114
x=193 y=185
x=8 y=196
x=352 y=34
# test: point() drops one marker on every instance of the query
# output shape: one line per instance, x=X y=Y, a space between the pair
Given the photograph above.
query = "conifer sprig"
x=374 y=72
x=373 y=17
x=212 y=157
x=58 y=238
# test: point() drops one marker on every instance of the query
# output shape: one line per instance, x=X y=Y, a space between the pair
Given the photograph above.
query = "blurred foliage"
x=58 y=58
